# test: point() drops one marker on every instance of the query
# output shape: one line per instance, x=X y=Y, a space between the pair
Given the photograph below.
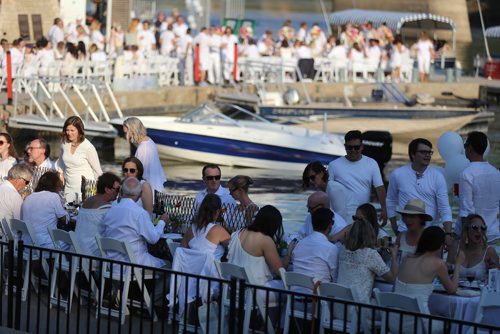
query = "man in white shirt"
x=180 y=27
x=211 y=175
x=479 y=187
x=419 y=180
x=56 y=32
x=214 y=72
x=185 y=54
x=358 y=173
x=127 y=221
x=146 y=38
x=318 y=200
x=203 y=41
x=315 y=255
x=227 y=46
x=18 y=178
x=167 y=41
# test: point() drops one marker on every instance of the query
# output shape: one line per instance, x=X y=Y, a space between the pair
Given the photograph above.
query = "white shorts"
x=424 y=64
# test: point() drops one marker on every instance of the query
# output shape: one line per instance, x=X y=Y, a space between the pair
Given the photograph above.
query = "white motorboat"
x=241 y=139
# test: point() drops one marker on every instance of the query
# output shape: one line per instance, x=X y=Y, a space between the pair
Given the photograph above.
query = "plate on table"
x=173 y=236
x=467 y=292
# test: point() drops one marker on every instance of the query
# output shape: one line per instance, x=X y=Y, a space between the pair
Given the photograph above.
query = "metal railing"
x=43 y=308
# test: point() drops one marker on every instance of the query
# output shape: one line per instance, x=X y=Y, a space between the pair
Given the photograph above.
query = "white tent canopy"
x=395 y=20
x=493 y=32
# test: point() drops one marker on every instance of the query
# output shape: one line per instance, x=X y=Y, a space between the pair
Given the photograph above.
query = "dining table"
x=462 y=305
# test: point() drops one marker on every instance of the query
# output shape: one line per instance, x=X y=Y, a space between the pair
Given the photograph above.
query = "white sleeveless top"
x=256 y=265
x=404 y=247
x=479 y=270
x=201 y=243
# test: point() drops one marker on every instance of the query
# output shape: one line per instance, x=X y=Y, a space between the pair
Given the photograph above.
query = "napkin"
x=468 y=292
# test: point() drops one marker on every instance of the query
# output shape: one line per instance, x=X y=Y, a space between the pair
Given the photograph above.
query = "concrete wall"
x=455 y=9
x=10 y=9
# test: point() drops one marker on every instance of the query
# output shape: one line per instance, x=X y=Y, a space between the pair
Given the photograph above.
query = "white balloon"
x=487 y=151
x=454 y=166
x=450 y=144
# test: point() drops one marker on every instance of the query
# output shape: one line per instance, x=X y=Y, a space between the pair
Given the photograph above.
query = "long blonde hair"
x=136 y=130
x=361 y=235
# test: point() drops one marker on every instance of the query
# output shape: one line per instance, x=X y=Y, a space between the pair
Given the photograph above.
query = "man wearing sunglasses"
x=358 y=173
x=419 y=179
x=211 y=175
x=479 y=187
x=18 y=178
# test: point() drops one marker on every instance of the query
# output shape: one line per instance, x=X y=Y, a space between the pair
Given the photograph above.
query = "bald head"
x=318 y=199
x=131 y=187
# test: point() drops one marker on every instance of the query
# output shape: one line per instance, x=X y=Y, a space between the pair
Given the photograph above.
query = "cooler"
x=492 y=69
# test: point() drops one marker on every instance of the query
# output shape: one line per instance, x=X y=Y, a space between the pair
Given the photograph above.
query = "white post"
x=484 y=33
x=109 y=16
x=325 y=17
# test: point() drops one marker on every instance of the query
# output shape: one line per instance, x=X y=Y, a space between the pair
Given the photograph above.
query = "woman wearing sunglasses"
x=8 y=155
x=341 y=201
x=238 y=188
x=479 y=257
x=132 y=166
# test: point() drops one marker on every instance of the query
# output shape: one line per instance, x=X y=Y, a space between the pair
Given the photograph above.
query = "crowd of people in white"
x=171 y=37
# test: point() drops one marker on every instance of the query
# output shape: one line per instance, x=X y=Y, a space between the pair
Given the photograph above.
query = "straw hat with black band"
x=415 y=207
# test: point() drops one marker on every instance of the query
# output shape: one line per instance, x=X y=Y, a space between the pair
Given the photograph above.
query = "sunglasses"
x=313 y=208
x=232 y=189
x=426 y=152
x=129 y=170
x=354 y=218
x=312 y=177
x=2 y=142
x=117 y=189
x=477 y=227
x=352 y=147
x=212 y=177
x=26 y=182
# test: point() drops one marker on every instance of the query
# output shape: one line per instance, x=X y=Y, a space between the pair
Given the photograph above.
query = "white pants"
x=214 y=72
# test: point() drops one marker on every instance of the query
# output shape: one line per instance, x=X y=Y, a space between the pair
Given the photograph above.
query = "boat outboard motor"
x=378 y=146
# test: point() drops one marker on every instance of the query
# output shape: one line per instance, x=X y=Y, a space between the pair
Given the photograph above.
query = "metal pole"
x=325 y=17
x=108 y=23
x=483 y=29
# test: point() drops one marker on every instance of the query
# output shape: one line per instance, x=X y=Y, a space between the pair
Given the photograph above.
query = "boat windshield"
x=211 y=114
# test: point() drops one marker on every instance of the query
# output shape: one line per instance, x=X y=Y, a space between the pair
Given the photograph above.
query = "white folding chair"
x=342 y=293
x=186 y=290
x=489 y=301
x=70 y=239
x=19 y=229
x=294 y=306
x=125 y=276
x=228 y=271
x=6 y=231
x=405 y=303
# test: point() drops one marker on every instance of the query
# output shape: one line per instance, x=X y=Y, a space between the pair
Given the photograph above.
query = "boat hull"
x=231 y=152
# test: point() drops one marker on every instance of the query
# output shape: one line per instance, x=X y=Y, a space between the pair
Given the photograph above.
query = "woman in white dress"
x=205 y=234
x=8 y=155
x=254 y=248
x=414 y=217
x=147 y=152
x=132 y=166
x=77 y=158
x=92 y=213
x=246 y=210
x=479 y=256
x=43 y=208
x=418 y=271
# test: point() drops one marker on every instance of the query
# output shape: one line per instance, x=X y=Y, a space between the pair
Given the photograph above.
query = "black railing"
x=95 y=307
